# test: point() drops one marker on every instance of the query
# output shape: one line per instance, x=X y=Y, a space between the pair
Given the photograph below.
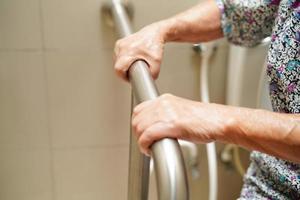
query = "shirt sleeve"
x=247 y=22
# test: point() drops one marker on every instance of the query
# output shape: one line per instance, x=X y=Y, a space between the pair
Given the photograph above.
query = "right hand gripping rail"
x=169 y=166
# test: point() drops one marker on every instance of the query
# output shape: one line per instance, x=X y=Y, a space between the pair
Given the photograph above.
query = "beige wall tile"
x=23 y=116
x=92 y=174
x=75 y=24
x=147 y=12
x=180 y=72
x=25 y=174
x=20 y=26
x=88 y=105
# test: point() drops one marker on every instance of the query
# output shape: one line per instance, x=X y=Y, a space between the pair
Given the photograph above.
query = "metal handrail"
x=169 y=166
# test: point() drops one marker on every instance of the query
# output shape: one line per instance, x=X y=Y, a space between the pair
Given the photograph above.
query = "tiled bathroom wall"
x=64 y=116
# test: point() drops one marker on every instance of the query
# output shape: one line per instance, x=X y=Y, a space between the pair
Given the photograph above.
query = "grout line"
x=52 y=173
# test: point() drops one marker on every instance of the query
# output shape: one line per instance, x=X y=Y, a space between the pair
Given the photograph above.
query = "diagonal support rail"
x=169 y=166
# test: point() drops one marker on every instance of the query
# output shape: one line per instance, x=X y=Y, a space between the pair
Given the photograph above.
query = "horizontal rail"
x=168 y=161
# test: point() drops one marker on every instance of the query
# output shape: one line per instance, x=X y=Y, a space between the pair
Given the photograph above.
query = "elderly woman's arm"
x=200 y=23
x=276 y=134
x=242 y=22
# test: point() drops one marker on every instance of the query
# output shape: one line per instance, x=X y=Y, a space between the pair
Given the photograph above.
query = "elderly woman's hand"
x=146 y=44
x=169 y=116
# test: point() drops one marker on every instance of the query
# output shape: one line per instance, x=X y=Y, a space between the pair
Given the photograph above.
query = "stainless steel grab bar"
x=169 y=166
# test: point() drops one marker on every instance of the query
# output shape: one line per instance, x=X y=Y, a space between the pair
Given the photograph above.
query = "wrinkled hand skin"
x=200 y=23
x=147 y=45
x=169 y=116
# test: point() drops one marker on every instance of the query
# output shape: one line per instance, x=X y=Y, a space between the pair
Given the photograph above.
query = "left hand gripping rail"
x=169 y=166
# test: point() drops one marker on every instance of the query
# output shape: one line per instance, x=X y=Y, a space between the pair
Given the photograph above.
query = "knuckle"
x=166 y=96
x=135 y=110
x=121 y=62
x=165 y=100
x=119 y=42
x=135 y=45
x=118 y=71
x=155 y=76
x=141 y=144
x=139 y=128
x=154 y=70
x=117 y=68
x=133 y=124
x=145 y=139
x=156 y=58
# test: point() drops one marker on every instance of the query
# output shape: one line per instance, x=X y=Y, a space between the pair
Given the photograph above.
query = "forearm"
x=198 y=24
x=272 y=133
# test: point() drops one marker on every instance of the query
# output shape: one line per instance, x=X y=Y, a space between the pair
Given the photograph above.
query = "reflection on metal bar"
x=168 y=161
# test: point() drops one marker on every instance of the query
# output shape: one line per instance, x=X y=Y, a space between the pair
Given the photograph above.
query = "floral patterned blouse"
x=247 y=22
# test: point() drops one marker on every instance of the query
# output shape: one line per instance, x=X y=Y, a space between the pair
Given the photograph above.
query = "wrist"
x=231 y=125
x=167 y=30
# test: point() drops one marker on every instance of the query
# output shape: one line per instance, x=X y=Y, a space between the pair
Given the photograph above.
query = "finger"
x=154 y=133
x=142 y=117
x=117 y=47
x=122 y=65
x=153 y=65
x=142 y=122
x=140 y=127
x=152 y=60
x=154 y=71
x=138 y=108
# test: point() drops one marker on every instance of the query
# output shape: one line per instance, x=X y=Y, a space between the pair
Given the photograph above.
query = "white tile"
x=89 y=106
x=25 y=174
x=180 y=72
x=91 y=174
x=75 y=24
x=20 y=24
x=23 y=116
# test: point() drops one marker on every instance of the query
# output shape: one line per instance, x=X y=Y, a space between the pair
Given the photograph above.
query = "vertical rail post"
x=169 y=166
